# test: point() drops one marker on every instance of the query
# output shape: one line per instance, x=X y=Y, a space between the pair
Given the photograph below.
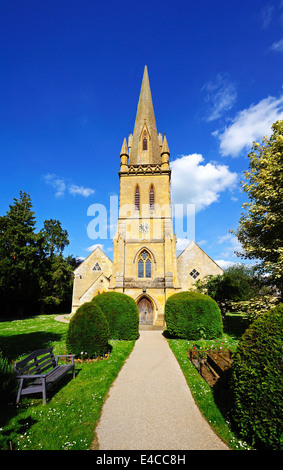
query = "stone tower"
x=144 y=246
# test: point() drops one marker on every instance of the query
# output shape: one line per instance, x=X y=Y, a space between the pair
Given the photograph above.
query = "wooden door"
x=145 y=311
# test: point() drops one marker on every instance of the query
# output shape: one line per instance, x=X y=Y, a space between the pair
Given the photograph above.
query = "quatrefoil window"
x=194 y=273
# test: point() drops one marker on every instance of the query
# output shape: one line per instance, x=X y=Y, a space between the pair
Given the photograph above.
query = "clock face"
x=144 y=228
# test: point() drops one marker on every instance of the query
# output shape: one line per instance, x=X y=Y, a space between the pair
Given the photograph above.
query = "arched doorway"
x=145 y=311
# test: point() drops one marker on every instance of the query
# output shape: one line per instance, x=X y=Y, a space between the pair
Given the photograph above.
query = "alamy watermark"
x=151 y=222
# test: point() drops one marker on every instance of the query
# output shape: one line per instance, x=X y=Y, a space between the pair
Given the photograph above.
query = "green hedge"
x=192 y=315
x=88 y=332
x=257 y=382
x=122 y=314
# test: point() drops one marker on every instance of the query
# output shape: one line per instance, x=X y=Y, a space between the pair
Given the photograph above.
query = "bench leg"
x=19 y=392
x=44 y=391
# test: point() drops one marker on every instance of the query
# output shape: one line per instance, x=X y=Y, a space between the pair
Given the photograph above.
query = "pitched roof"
x=97 y=251
x=193 y=245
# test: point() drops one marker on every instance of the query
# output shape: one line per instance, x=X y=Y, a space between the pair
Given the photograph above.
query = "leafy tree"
x=260 y=229
x=54 y=238
x=57 y=272
x=221 y=288
x=19 y=257
x=56 y=282
x=33 y=270
x=249 y=282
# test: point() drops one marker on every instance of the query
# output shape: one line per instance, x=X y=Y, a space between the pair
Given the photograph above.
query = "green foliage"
x=19 y=260
x=8 y=382
x=57 y=272
x=249 y=282
x=122 y=314
x=88 y=332
x=55 y=239
x=260 y=226
x=33 y=271
x=56 y=282
x=238 y=283
x=257 y=382
x=222 y=288
x=193 y=315
x=253 y=308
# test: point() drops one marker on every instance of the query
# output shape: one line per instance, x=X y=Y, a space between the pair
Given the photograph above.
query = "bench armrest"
x=65 y=355
x=72 y=356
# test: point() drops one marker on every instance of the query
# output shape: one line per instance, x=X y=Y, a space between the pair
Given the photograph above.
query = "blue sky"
x=70 y=79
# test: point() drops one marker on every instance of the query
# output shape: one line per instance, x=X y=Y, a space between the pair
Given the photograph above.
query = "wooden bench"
x=40 y=371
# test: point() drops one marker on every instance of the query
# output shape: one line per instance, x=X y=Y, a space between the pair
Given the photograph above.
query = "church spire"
x=145 y=144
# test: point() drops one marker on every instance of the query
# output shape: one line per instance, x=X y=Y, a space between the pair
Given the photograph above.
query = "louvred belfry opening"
x=137 y=199
x=151 y=198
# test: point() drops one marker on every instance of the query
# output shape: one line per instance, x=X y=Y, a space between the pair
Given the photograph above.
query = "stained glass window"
x=144 y=265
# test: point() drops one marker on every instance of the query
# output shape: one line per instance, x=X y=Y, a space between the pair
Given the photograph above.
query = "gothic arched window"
x=137 y=199
x=151 y=198
x=144 y=264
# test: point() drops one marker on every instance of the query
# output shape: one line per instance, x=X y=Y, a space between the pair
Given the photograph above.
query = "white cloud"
x=182 y=243
x=250 y=125
x=92 y=247
x=267 y=15
x=201 y=184
x=61 y=186
x=80 y=258
x=231 y=245
x=57 y=183
x=278 y=46
x=224 y=264
x=74 y=189
x=202 y=242
x=221 y=96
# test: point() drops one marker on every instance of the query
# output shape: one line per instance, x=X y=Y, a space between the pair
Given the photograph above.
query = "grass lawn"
x=69 y=418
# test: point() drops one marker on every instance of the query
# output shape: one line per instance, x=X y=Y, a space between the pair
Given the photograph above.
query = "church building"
x=145 y=265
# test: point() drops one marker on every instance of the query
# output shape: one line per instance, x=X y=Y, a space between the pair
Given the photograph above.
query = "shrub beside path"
x=150 y=406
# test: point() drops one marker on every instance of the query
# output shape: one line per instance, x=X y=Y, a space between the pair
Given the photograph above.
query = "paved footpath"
x=150 y=406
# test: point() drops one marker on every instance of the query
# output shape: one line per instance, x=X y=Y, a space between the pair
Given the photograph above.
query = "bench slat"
x=37 y=367
x=34 y=354
x=45 y=365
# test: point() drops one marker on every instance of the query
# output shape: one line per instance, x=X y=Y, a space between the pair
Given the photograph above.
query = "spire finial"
x=165 y=148
x=124 y=149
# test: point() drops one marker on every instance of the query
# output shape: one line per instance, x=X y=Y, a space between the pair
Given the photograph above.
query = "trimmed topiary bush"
x=257 y=382
x=122 y=314
x=192 y=315
x=88 y=332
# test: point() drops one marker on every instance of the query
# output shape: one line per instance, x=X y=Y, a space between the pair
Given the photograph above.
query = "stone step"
x=150 y=327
